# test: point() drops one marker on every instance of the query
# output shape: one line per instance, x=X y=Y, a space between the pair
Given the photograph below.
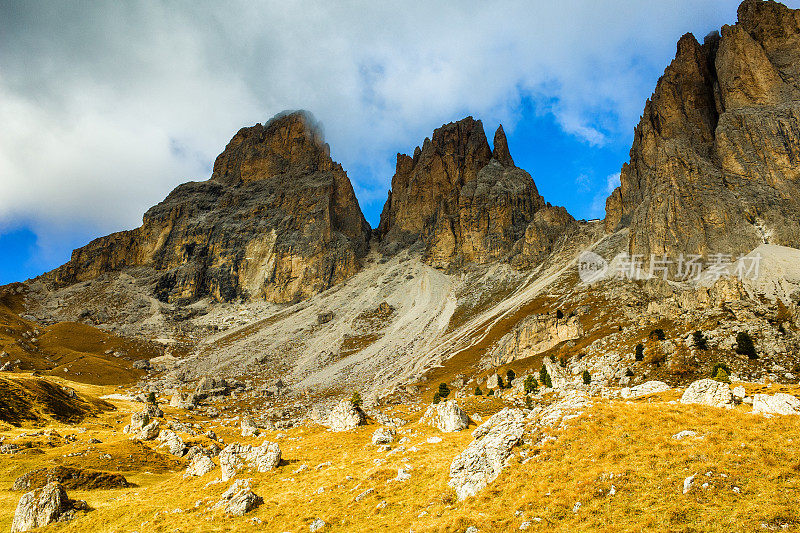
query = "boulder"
x=182 y=400
x=172 y=441
x=153 y=411
x=345 y=416
x=200 y=466
x=239 y=499
x=447 y=416
x=779 y=404
x=649 y=387
x=41 y=507
x=482 y=460
x=709 y=392
x=138 y=421
x=237 y=456
x=148 y=432
x=383 y=436
x=248 y=426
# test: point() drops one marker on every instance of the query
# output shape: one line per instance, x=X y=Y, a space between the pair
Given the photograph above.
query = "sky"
x=106 y=106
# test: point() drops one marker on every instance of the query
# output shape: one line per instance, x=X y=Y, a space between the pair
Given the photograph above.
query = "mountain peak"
x=292 y=142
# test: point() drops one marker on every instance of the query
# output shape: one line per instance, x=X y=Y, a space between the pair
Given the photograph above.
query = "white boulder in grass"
x=779 y=404
x=709 y=392
x=447 y=416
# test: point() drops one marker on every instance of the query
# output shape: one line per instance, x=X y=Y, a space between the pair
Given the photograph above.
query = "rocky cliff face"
x=715 y=161
x=466 y=202
x=278 y=220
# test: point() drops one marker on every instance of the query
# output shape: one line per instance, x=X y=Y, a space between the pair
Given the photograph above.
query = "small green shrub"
x=745 y=346
x=629 y=373
x=587 y=377
x=490 y=393
x=500 y=383
x=699 y=340
x=151 y=398
x=436 y=398
x=355 y=399
x=531 y=386
x=722 y=375
x=639 y=352
x=510 y=376
x=544 y=377
x=478 y=391
x=528 y=402
x=658 y=334
x=563 y=362
x=444 y=390
x=718 y=366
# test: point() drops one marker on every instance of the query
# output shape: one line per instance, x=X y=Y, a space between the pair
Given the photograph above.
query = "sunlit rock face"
x=278 y=220
x=464 y=201
x=715 y=161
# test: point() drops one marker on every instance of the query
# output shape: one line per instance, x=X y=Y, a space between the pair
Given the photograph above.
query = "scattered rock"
x=182 y=400
x=687 y=483
x=317 y=525
x=709 y=392
x=683 y=434
x=236 y=456
x=779 y=404
x=345 y=416
x=447 y=416
x=142 y=364
x=41 y=507
x=200 y=466
x=649 y=387
x=173 y=442
x=383 y=436
x=249 y=428
x=364 y=494
x=481 y=462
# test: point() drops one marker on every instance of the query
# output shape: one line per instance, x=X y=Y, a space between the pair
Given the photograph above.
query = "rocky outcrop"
x=533 y=335
x=467 y=203
x=383 y=436
x=482 y=460
x=237 y=456
x=345 y=416
x=41 y=507
x=239 y=499
x=709 y=392
x=278 y=220
x=645 y=389
x=200 y=466
x=715 y=162
x=779 y=404
x=447 y=416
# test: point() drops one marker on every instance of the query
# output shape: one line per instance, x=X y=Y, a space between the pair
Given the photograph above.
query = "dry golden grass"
x=625 y=444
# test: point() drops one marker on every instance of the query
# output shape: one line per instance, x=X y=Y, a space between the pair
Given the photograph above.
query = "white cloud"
x=107 y=106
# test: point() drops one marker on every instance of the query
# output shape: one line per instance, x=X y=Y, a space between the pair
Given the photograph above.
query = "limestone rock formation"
x=481 y=462
x=709 y=392
x=715 y=162
x=278 y=220
x=200 y=466
x=236 y=456
x=345 y=416
x=41 y=507
x=467 y=203
x=779 y=404
x=447 y=416
x=645 y=389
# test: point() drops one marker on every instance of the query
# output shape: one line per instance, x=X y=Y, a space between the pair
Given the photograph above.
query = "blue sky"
x=108 y=106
